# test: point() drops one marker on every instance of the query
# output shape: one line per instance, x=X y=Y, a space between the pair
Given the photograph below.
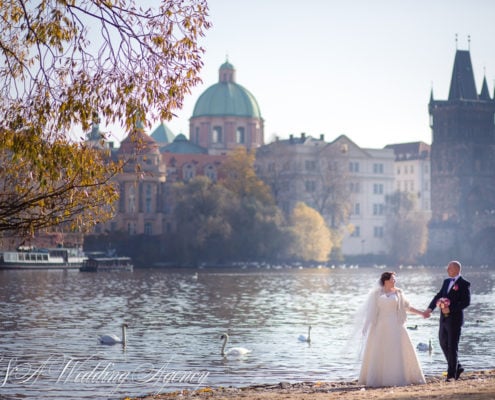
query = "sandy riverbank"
x=471 y=386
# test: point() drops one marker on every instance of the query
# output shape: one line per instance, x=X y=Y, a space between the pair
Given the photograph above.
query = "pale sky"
x=363 y=68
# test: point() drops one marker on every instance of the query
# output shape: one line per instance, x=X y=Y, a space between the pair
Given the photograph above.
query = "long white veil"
x=365 y=315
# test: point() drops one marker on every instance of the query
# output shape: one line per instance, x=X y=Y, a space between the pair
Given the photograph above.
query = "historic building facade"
x=348 y=185
x=463 y=169
x=225 y=116
x=141 y=186
x=412 y=172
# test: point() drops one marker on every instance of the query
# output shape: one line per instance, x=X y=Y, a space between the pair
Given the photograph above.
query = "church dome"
x=227 y=98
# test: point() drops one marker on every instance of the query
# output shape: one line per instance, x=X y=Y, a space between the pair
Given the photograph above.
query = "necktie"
x=452 y=281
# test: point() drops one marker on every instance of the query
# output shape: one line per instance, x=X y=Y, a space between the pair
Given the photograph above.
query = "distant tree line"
x=235 y=219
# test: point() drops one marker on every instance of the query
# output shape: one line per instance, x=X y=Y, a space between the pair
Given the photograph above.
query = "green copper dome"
x=227 y=98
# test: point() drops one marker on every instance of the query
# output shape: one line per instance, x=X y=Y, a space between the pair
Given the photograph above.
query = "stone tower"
x=463 y=170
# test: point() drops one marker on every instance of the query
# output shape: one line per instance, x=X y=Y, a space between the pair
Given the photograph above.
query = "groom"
x=456 y=289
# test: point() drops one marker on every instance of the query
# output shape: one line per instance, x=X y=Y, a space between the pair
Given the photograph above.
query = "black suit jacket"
x=459 y=296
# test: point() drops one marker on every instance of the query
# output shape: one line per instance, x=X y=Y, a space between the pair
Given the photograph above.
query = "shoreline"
x=476 y=385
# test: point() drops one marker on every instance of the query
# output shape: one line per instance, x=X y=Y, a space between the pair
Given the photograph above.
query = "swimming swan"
x=304 y=338
x=114 y=339
x=425 y=347
x=234 y=351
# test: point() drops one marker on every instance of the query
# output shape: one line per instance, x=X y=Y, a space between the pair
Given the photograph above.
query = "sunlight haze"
x=360 y=68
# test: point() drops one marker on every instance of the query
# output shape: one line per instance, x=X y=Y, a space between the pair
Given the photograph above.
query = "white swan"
x=114 y=339
x=306 y=338
x=425 y=347
x=234 y=351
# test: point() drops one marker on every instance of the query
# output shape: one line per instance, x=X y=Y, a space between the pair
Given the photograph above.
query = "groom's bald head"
x=454 y=268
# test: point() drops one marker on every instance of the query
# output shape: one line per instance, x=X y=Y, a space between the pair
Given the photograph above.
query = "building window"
x=356 y=232
x=377 y=188
x=310 y=165
x=354 y=187
x=217 y=134
x=353 y=166
x=131 y=228
x=378 y=209
x=147 y=199
x=188 y=172
x=240 y=136
x=148 y=228
x=398 y=170
x=378 y=168
x=357 y=209
x=197 y=135
x=132 y=199
x=211 y=173
x=310 y=186
x=378 y=231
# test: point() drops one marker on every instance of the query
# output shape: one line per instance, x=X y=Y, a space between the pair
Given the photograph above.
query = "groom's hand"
x=427 y=313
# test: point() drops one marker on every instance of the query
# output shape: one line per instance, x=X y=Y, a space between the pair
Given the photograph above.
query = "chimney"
x=303 y=135
x=291 y=138
x=322 y=137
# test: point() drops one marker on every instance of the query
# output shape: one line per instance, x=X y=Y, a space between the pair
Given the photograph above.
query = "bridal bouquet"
x=443 y=303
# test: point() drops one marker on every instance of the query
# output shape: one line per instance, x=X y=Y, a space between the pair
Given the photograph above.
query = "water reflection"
x=175 y=320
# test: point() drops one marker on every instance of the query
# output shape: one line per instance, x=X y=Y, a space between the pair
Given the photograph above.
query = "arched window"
x=240 y=135
x=188 y=172
x=211 y=173
x=217 y=136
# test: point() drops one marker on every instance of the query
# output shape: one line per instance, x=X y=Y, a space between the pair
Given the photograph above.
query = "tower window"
x=240 y=135
x=217 y=134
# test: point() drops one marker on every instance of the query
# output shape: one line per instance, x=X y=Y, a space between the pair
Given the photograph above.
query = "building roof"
x=410 y=151
x=138 y=142
x=462 y=84
x=162 y=134
x=484 y=95
x=181 y=145
x=227 y=98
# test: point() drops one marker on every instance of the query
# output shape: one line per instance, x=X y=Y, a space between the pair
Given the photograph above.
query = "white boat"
x=114 y=263
x=43 y=258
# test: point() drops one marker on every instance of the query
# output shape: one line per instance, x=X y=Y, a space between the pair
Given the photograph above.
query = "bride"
x=389 y=357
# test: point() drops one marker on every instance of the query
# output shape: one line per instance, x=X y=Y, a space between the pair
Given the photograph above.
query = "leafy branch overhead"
x=61 y=63
x=62 y=60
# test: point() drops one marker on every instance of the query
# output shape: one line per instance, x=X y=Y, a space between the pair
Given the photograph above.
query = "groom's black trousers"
x=449 y=335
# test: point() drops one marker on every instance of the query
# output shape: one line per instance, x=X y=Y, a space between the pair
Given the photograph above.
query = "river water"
x=50 y=321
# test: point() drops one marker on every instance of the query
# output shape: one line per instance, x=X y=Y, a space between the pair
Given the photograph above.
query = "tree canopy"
x=63 y=60
x=406 y=227
x=37 y=193
x=312 y=240
x=240 y=176
x=61 y=63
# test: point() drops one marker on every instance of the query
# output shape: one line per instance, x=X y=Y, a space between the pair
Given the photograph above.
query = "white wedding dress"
x=389 y=357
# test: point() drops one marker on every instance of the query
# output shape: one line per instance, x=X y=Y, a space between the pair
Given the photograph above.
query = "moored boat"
x=42 y=258
x=99 y=264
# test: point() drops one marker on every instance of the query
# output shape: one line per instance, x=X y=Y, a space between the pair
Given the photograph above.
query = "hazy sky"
x=363 y=68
